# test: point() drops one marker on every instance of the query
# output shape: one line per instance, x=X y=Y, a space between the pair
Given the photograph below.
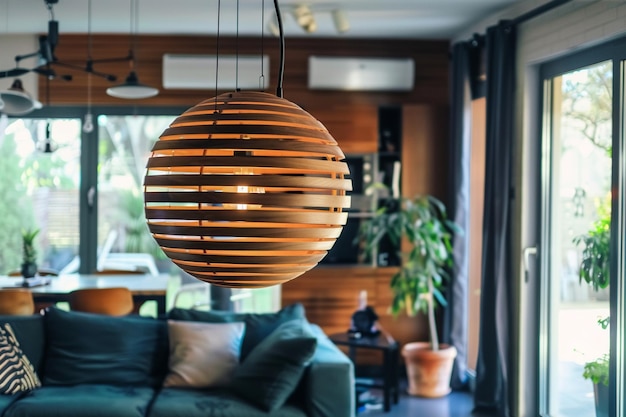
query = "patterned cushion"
x=29 y=330
x=16 y=372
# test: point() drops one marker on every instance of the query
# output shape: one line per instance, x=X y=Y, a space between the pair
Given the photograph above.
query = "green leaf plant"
x=28 y=246
x=421 y=234
x=598 y=370
x=594 y=270
x=594 y=266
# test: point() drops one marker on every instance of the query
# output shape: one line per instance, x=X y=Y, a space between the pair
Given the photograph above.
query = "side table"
x=389 y=348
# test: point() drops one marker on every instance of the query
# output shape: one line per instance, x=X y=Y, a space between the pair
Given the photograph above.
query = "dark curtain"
x=496 y=309
x=455 y=330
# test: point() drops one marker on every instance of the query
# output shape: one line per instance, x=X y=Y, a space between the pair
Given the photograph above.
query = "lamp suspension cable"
x=88 y=122
x=47 y=143
x=50 y=10
x=237 y=51
x=281 y=40
x=132 y=88
x=133 y=33
x=262 y=76
x=89 y=56
x=217 y=50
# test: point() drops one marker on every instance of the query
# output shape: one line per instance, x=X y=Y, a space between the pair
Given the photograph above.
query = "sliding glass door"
x=581 y=220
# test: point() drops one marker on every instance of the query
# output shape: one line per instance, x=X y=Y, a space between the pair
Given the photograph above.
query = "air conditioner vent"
x=361 y=74
x=197 y=72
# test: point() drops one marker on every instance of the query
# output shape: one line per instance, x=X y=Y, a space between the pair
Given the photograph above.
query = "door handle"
x=526 y=254
x=91 y=195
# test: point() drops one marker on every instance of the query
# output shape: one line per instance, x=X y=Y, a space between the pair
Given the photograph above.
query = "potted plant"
x=598 y=372
x=594 y=270
x=417 y=286
x=29 y=254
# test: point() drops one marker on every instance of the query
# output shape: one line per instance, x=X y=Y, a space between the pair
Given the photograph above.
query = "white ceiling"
x=416 y=19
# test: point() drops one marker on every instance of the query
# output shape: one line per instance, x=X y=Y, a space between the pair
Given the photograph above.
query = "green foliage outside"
x=16 y=213
x=592 y=105
x=137 y=235
x=124 y=144
x=594 y=266
x=595 y=271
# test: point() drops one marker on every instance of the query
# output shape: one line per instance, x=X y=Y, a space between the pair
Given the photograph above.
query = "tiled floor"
x=456 y=404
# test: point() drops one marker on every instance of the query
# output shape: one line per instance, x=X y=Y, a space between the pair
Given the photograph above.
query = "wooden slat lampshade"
x=246 y=190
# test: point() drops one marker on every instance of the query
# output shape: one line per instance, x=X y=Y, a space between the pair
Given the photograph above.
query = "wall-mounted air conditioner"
x=197 y=72
x=361 y=74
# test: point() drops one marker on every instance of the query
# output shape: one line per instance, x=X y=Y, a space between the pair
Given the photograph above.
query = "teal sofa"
x=99 y=366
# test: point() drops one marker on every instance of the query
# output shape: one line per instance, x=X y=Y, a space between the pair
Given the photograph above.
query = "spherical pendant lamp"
x=246 y=190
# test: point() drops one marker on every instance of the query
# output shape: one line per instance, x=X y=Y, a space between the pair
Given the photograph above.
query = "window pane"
x=39 y=186
x=579 y=238
x=124 y=147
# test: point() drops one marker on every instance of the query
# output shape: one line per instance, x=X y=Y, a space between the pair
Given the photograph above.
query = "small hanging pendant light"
x=246 y=189
x=131 y=88
x=17 y=102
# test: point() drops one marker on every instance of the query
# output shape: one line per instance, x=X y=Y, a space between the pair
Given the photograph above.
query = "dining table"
x=144 y=287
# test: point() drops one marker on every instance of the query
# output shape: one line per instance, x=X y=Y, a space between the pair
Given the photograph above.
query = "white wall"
x=12 y=45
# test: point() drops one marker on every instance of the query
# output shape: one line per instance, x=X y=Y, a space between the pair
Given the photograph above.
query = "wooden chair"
x=114 y=301
x=16 y=302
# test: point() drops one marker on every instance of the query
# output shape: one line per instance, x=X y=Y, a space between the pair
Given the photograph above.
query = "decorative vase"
x=428 y=370
x=29 y=270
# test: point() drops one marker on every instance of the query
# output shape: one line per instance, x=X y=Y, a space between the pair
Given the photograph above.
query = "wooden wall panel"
x=350 y=116
x=355 y=126
x=425 y=153
x=330 y=297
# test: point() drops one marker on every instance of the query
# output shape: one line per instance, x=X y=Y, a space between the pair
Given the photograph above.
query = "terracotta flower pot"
x=428 y=370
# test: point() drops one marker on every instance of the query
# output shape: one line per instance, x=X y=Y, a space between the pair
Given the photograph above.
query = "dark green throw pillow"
x=85 y=348
x=258 y=325
x=272 y=371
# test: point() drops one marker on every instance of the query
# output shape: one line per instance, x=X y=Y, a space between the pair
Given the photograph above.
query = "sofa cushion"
x=7 y=400
x=177 y=402
x=258 y=325
x=16 y=372
x=83 y=400
x=203 y=355
x=85 y=348
x=272 y=371
x=30 y=333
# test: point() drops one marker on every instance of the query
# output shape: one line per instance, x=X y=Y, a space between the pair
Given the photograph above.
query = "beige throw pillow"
x=203 y=355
